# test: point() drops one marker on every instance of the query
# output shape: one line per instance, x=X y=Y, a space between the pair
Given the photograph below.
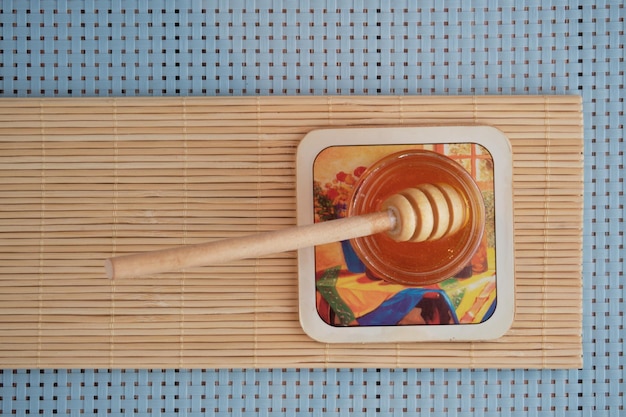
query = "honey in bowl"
x=426 y=262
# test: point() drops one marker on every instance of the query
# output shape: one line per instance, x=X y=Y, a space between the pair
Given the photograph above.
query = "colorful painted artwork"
x=348 y=295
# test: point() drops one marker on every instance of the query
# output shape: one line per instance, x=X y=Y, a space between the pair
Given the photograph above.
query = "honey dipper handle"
x=251 y=246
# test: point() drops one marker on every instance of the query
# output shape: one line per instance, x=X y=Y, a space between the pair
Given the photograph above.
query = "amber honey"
x=417 y=263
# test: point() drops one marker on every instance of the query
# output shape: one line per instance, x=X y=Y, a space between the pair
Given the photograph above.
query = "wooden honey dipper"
x=426 y=212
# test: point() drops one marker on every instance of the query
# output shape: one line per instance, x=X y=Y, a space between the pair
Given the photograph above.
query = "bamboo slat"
x=84 y=179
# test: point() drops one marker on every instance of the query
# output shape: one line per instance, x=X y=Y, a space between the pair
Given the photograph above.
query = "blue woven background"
x=156 y=48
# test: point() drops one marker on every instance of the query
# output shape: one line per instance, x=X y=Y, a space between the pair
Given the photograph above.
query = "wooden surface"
x=85 y=179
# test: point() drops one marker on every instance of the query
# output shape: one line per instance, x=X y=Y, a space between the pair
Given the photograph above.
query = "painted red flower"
x=359 y=171
x=332 y=193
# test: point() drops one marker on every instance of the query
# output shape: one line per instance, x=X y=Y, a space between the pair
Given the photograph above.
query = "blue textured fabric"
x=305 y=47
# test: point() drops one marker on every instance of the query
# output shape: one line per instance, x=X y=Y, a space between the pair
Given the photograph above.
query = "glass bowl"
x=416 y=263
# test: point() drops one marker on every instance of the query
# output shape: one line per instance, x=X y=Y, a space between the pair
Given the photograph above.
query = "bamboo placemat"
x=83 y=179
